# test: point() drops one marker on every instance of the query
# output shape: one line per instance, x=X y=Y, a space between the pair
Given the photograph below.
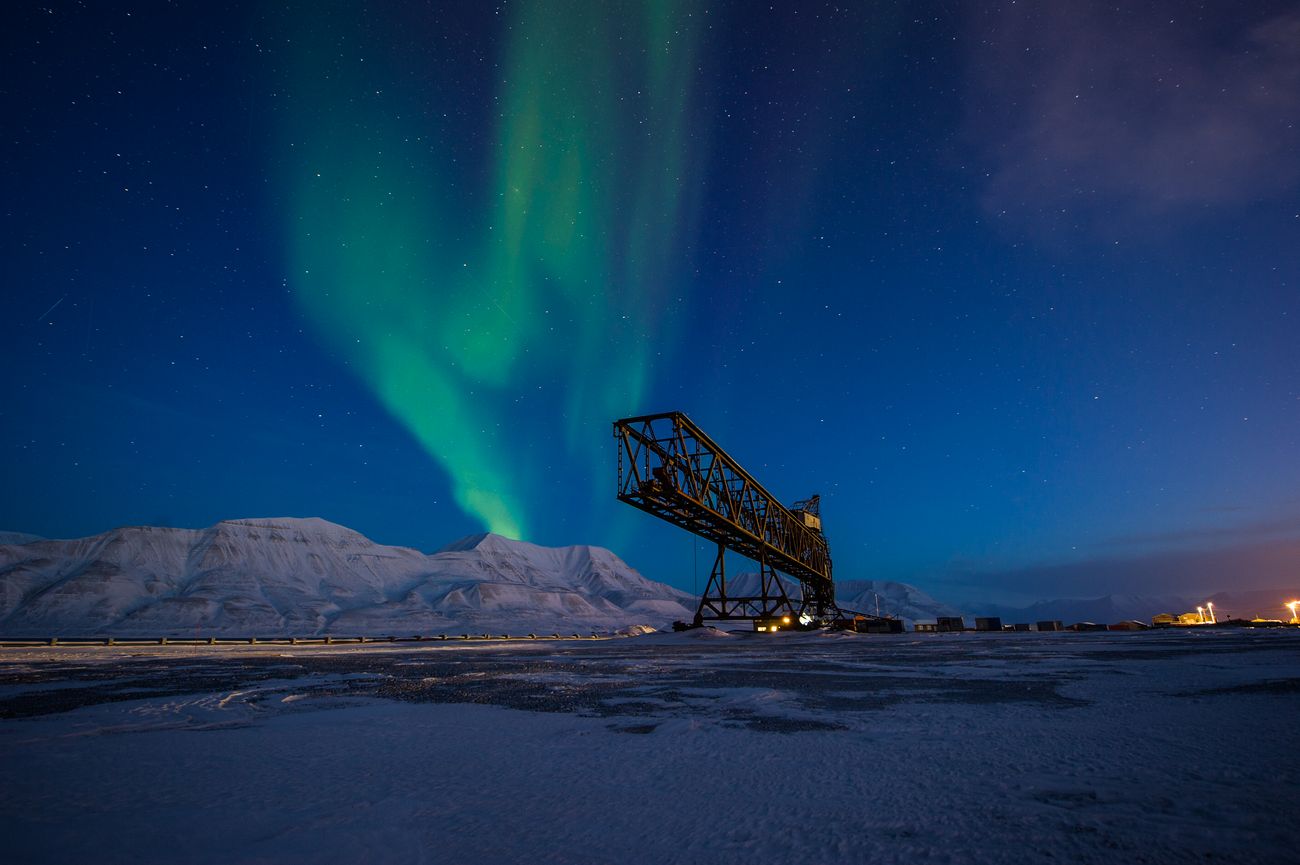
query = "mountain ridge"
x=308 y=576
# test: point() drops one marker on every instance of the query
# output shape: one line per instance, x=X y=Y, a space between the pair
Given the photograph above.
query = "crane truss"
x=669 y=467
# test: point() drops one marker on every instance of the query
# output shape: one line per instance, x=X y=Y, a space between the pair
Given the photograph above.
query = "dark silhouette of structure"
x=668 y=467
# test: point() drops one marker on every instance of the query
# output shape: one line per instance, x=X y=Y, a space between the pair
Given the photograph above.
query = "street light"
x=1200 y=611
x=1209 y=605
x=1291 y=606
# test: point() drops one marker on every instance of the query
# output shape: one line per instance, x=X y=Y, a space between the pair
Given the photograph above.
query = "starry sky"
x=1015 y=287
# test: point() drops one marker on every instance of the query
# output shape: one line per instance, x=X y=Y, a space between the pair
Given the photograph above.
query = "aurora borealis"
x=1015 y=290
x=554 y=288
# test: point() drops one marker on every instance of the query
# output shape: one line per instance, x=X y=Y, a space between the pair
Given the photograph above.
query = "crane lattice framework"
x=668 y=467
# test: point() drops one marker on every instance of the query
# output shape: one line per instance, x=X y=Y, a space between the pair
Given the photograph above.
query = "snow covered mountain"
x=310 y=576
x=895 y=599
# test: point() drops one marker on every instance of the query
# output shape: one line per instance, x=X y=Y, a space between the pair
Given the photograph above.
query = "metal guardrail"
x=327 y=640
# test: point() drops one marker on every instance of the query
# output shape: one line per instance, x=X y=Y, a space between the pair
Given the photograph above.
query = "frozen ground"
x=1152 y=747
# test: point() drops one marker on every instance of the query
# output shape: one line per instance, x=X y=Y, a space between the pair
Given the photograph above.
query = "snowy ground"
x=1150 y=747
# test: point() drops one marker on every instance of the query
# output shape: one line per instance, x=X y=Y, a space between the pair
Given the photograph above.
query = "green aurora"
x=507 y=324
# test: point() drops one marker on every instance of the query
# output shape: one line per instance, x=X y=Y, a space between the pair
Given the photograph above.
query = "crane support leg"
x=716 y=605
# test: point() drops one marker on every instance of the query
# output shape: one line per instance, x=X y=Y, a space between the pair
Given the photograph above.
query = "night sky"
x=1014 y=286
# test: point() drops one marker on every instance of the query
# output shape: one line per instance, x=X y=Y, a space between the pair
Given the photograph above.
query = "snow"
x=895 y=599
x=303 y=577
x=635 y=631
x=1157 y=747
x=309 y=576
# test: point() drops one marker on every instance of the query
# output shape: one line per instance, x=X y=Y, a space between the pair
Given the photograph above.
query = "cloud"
x=1146 y=112
x=1262 y=564
x=1200 y=536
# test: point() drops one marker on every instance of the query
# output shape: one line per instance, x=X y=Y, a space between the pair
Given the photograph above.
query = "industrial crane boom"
x=669 y=467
